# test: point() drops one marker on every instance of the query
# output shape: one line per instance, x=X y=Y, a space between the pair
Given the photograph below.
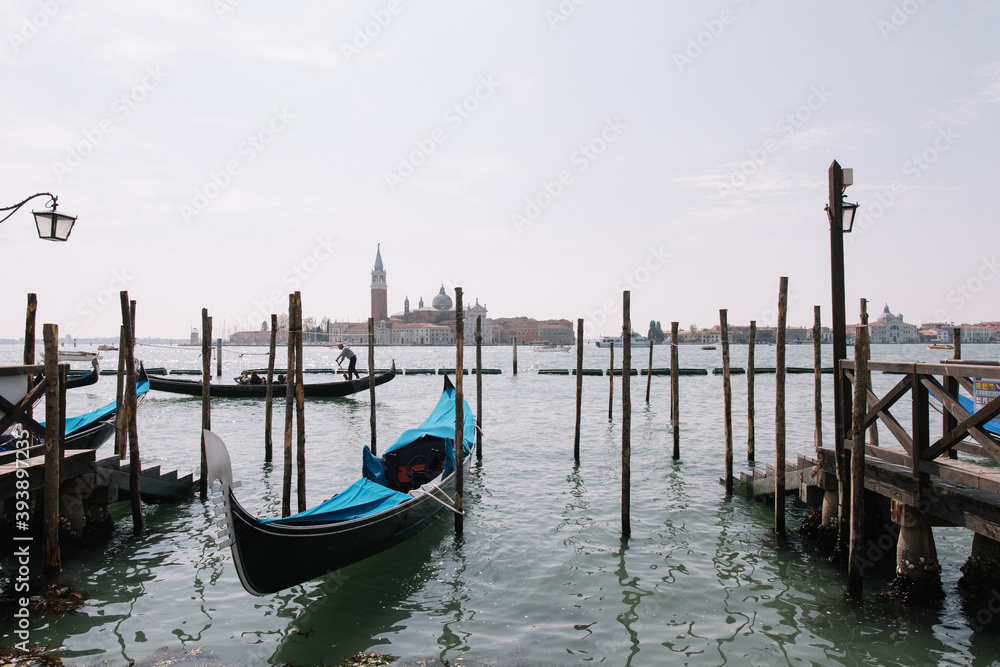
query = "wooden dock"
x=917 y=478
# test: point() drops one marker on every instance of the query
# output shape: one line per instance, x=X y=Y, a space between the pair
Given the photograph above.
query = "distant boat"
x=708 y=347
x=107 y=348
x=546 y=346
x=637 y=340
x=77 y=355
x=940 y=346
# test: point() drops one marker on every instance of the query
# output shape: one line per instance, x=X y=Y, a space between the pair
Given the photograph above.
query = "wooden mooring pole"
x=300 y=406
x=611 y=383
x=121 y=424
x=29 y=331
x=649 y=370
x=218 y=357
x=948 y=420
x=626 y=414
x=29 y=338
x=751 y=427
x=675 y=399
x=515 y=353
x=579 y=388
x=269 y=392
x=817 y=379
x=51 y=555
x=371 y=380
x=459 y=412
x=727 y=399
x=873 y=429
x=479 y=387
x=286 y=479
x=206 y=400
x=855 y=583
x=841 y=385
x=779 y=410
x=131 y=403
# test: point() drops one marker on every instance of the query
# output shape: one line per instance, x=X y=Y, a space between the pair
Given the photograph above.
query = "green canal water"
x=542 y=576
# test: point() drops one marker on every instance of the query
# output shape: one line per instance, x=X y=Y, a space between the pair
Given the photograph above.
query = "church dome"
x=442 y=301
x=886 y=315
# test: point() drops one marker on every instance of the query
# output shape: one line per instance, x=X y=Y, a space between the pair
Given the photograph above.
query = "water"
x=542 y=575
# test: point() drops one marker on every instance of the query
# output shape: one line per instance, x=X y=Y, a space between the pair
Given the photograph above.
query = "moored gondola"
x=397 y=496
x=311 y=389
x=92 y=429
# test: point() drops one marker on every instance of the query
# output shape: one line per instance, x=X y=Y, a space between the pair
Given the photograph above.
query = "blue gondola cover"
x=360 y=499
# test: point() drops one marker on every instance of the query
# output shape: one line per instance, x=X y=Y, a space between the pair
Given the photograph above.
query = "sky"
x=542 y=155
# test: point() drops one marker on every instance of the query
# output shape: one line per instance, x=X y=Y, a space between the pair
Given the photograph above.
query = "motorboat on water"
x=546 y=346
x=637 y=340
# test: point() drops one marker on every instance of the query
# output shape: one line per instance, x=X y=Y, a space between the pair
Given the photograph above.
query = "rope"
x=435 y=498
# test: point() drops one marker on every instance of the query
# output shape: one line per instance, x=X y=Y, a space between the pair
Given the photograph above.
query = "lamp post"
x=840 y=212
x=52 y=225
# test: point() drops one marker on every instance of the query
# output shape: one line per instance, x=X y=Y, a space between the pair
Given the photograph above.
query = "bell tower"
x=380 y=299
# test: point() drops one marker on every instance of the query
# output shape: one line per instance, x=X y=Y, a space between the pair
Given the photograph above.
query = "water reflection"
x=632 y=595
x=348 y=610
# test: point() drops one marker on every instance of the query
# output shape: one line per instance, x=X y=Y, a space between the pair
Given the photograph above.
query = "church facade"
x=889 y=328
x=423 y=325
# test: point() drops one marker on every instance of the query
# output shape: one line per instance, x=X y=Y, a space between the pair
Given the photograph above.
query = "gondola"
x=398 y=495
x=92 y=429
x=75 y=381
x=311 y=389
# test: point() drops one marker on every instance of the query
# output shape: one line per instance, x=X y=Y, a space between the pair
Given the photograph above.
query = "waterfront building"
x=529 y=330
x=423 y=325
x=889 y=328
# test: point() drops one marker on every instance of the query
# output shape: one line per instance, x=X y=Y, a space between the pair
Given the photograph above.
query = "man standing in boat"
x=348 y=353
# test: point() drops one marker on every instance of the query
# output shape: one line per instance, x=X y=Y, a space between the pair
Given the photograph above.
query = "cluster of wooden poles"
x=779 y=507
x=295 y=399
x=126 y=436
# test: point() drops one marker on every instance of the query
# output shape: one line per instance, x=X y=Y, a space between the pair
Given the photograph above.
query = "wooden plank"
x=19 y=412
x=955 y=409
x=6 y=371
x=76 y=463
x=949 y=369
x=981 y=416
x=877 y=405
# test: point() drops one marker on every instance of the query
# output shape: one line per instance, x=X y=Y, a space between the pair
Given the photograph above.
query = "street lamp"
x=52 y=225
x=838 y=211
x=845 y=219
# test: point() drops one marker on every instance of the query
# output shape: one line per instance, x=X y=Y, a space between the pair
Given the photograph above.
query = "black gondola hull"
x=310 y=389
x=272 y=557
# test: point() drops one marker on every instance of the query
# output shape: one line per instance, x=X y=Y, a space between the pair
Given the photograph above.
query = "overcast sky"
x=541 y=155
